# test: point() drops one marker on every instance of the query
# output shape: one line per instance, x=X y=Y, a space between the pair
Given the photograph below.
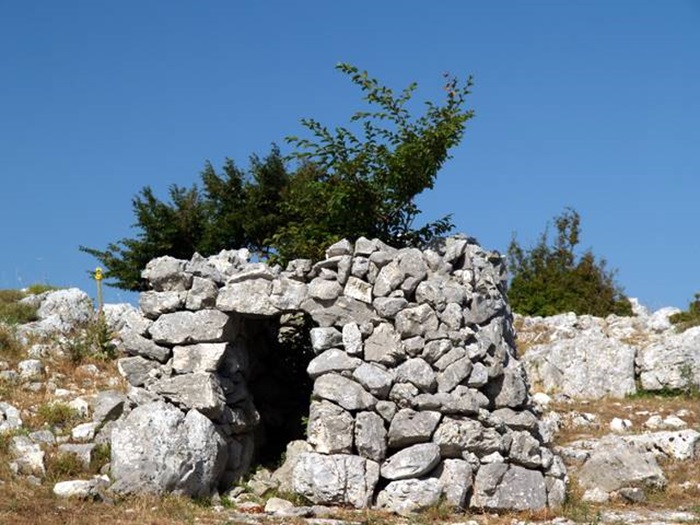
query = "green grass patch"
x=56 y=415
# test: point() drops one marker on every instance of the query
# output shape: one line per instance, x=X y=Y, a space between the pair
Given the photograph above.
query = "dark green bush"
x=688 y=318
x=549 y=279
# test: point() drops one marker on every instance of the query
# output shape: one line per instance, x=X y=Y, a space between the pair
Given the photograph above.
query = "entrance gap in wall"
x=280 y=352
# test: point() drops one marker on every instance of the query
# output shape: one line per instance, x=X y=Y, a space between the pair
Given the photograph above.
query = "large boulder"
x=581 y=361
x=158 y=448
x=672 y=363
x=336 y=479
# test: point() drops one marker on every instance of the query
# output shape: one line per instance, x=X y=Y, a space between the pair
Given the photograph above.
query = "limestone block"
x=411 y=462
x=370 y=436
x=407 y=496
x=498 y=486
x=344 y=392
x=200 y=391
x=337 y=479
x=202 y=294
x=409 y=427
x=158 y=449
x=417 y=372
x=153 y=304
x=167 y=274
x=202 y=357
x=330 y=429
x=135 y=344
x=203 y=326
x=333 y=360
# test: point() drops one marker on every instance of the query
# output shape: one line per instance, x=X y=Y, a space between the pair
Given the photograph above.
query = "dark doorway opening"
x=280 y=352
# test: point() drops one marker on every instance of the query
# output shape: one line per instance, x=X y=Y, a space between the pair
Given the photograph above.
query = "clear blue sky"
x=590 y=104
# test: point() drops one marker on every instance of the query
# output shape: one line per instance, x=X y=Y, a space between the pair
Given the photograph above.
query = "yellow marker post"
x=98 y=277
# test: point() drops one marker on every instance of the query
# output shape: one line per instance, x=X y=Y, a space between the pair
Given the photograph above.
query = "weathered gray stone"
x=411 y=462
x=203 y=326
x=408 y=496
x=672 y=363
x=510 y=390
x=83 y=451
x=153 y=304
x=479 y=376
x=498 y=486
x=344 y=392
x=342 y=247
x=30 y=370
x=483 y=309
x=384 y=345
x=332 y=360
x=62 y=310
x=337 y=479
x=389 y=279
x=10 y=418
x=525 y=450
x=330 y=429
x=167 y=274
x=571 y=367
x=615 y=464
x=358 y=289
x=323 y=338
x=81 y=488
x=417 y=320
x=454 y=374
x=324 y=290
x=388 y=307
x=287 y=295
x=135 y=344
x=352 y=339
x=456 y=478
x=438 y=291
x=409 y=427
x=202 y=294
x=28 y=458
x=158 y=449
x=403 y=394
x=417 y=372
x=465 y=402
x=136 y=370
x=517 y=420
x=107 y=406
x=680 y=445
x=283 y=475
x=375 y=379
x=199 y=391
x=203 y=357
x=454 y=355
x=250 y=297
x=452 y=316
x=456 y=436
x=370 y=436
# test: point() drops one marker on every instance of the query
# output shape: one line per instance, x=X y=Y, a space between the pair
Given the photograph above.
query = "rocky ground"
x=633 y=455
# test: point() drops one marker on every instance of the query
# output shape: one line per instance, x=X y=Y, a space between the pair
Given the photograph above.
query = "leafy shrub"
x=56 y=415
x=549 y=279
x=688 y=318
x=359 y=180
x=94 y=339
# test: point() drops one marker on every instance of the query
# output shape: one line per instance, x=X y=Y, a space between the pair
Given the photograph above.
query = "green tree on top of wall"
x=549 y=278
x=360 y=180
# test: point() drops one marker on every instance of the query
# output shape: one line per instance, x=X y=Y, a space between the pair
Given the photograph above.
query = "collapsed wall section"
x=416 y=391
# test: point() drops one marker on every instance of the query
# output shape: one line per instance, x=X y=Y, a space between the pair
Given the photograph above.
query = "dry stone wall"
x=416 y=391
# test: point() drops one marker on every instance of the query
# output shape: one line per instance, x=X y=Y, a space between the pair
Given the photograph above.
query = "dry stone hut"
x=396 y=366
